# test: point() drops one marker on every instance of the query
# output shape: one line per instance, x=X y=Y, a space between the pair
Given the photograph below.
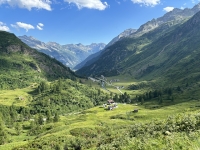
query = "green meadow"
x=98 y=122
x=169 y=121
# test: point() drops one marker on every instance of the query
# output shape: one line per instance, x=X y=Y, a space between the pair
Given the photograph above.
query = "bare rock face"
x=13 y=48
x=173 y=17
x=122 y=35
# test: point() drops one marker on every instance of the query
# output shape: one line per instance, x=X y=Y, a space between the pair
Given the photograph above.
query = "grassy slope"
x=96 y=116
x=10 y=97
x=187 y=102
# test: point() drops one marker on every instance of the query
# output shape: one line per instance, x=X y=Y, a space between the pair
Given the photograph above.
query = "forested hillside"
x=20 y=65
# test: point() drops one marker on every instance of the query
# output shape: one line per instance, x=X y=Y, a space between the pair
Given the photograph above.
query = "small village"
x=110 y=105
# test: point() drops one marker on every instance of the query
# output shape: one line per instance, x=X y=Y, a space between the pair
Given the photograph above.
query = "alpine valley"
x=69 y=54
x=141 y=91
x=158 y=48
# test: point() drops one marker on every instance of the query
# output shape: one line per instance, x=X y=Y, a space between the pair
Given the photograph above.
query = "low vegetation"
x=175 y=127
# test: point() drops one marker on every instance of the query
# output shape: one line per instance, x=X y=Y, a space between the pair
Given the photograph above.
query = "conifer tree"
x=142 y=101
x=3 y=133
x=56 y=117
x=49 y=116
x=40 y=119
x=18 y=128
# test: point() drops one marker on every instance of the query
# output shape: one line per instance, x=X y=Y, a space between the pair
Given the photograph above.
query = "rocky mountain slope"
x=175 y=17
x=167 y=51
x=21 y=65
x=70 y=54
x=122 y=35
x=126 y=52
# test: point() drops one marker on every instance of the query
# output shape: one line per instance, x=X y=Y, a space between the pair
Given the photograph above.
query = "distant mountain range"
x=160 y=47
x=69 y=54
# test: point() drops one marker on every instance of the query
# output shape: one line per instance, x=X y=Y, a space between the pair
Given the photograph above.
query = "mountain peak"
x=124 y=34
x=69 y=54
x=175 y=16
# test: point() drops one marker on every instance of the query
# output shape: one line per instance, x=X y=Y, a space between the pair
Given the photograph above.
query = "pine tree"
x=40 y=120
x=99 y=92
x=56 y=118
x=59 y=85
x=18 y=128
x=111 y=95
x=172 y=98
x=116 y=99
x=49 y=116
x=3 y=133
x=160 y=99
x=13 y=114
x=142 y=101
x=170 y=91
x=150 y=95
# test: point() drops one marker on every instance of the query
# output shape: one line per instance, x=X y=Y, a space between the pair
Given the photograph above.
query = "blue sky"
x=81 y=21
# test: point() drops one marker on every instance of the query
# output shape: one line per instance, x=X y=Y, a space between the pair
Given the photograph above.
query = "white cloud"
x=3 y=27
x=28 y=4
x=39 y=26
x=147 y=2
x=168 y=9
x=91 y=4
x=22 y=25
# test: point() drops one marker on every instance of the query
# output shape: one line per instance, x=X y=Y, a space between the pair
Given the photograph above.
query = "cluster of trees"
x=37 y=124
x=12 y=117
x=64 y=96
x=143 y=85
x=122 y=98
x=159 y=94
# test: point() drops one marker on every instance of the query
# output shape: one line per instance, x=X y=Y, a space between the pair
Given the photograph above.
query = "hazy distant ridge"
x=69 y=54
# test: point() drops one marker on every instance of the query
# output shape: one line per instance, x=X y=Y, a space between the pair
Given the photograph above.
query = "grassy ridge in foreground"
x=97 y=128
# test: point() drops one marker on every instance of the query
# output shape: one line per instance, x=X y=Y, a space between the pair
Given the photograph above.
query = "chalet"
x=110 y=101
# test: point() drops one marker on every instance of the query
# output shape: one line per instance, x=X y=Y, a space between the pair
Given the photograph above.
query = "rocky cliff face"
x=69 y=54
x=122 y=35
x=174 y=17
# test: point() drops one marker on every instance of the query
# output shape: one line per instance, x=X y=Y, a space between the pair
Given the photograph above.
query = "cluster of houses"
x=110 y=104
